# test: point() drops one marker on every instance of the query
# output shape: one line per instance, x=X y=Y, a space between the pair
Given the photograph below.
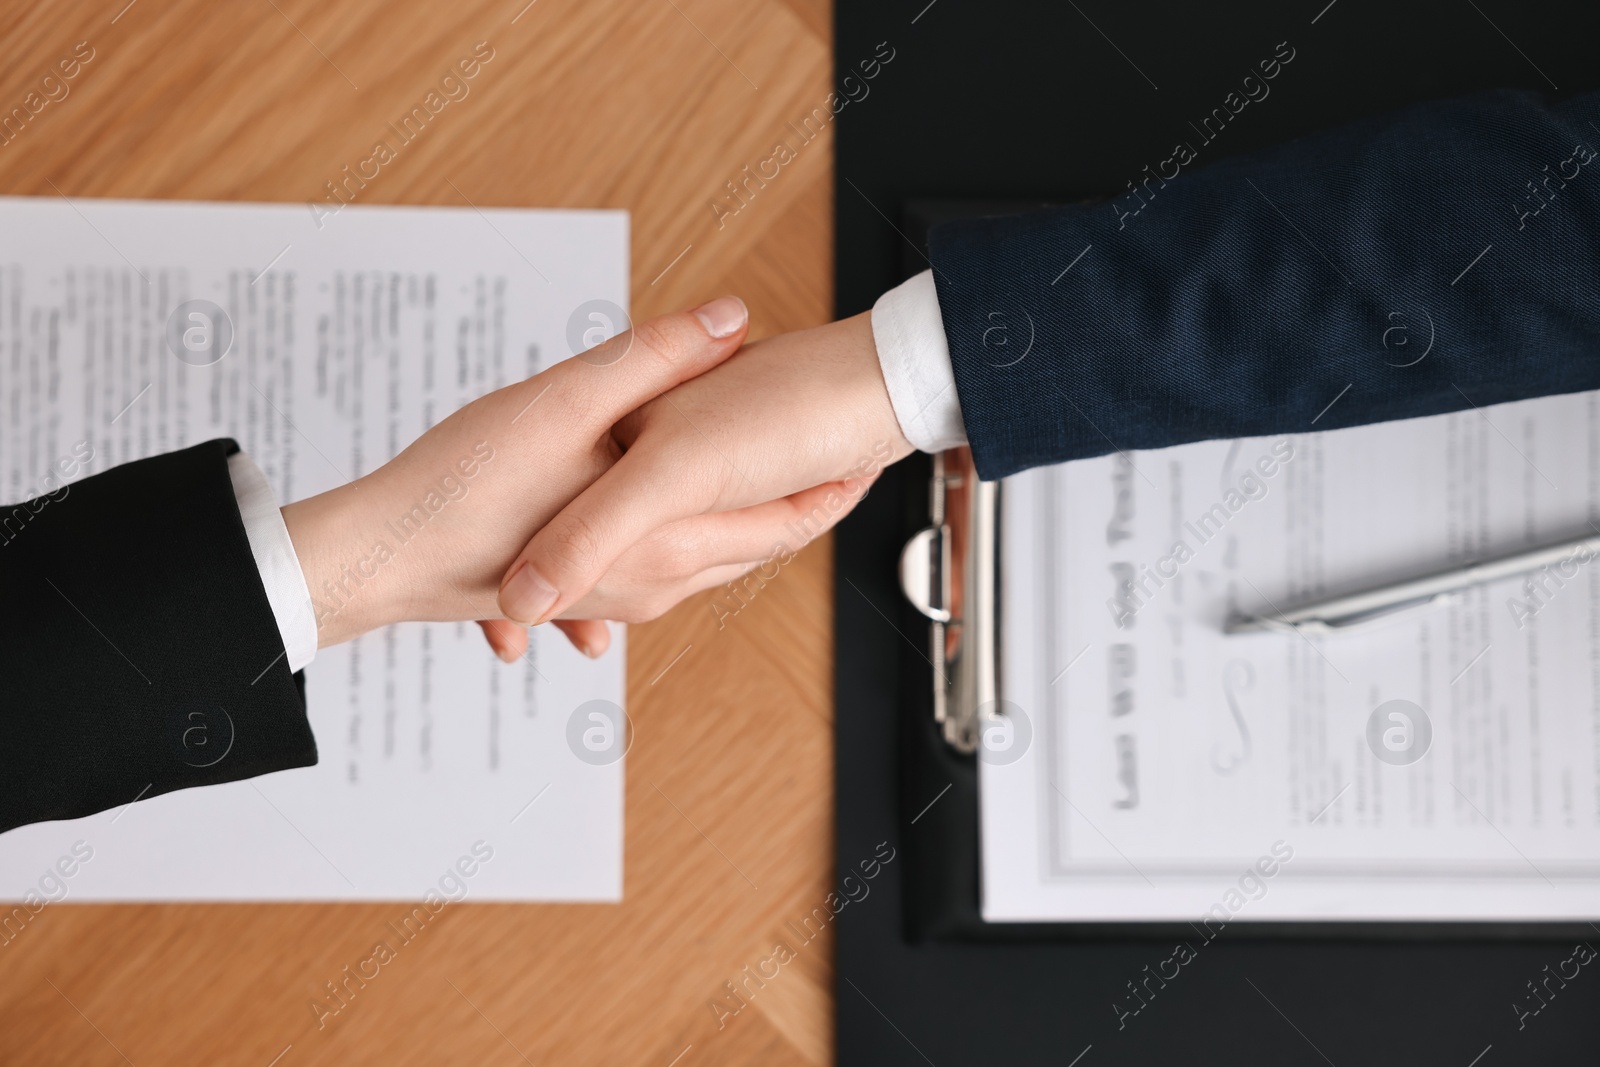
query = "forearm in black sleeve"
x=140 y=652
x=1442 y=257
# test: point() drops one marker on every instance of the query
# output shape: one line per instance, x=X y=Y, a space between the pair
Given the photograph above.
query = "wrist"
x=353 y=590
x=877 y=403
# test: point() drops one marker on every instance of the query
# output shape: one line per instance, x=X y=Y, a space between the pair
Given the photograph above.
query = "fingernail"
x=526 y=596
x=723 y=317
x=506 y=655
x=588 y=650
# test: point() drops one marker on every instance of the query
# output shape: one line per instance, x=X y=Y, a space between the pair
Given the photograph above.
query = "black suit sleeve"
x=140 y=652
x=1443 y=257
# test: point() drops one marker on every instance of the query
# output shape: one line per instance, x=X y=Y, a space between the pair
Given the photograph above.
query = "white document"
x=1170 y=771
x=349 y=340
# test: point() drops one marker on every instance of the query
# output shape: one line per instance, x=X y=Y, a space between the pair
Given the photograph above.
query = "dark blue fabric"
x=1245 y=297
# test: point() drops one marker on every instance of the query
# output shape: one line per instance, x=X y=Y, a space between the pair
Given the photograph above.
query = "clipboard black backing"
x=1008 y=104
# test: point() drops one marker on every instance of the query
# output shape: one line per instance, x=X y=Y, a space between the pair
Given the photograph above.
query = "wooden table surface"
x=652 y=106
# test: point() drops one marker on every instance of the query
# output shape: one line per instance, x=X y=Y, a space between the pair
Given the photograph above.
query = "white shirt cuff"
x=909 y=333
x=280 y=569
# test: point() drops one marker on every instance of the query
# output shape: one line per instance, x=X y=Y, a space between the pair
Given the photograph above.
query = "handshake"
x=667 y=460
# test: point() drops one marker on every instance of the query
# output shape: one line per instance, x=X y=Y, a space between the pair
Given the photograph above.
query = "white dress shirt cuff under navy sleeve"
x=909 y=333
x=280 y=569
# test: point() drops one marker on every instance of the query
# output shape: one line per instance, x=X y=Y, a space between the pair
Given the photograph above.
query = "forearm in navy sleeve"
x=1443 y=257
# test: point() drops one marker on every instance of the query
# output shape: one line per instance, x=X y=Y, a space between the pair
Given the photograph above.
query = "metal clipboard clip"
x=949 y=571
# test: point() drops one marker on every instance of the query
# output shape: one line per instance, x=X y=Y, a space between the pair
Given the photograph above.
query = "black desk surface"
x=1007 y=100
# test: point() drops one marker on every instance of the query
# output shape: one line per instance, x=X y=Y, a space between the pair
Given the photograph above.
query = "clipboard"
x=949 y=571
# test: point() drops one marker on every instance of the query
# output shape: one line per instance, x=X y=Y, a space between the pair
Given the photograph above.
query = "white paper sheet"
x=1171 y=767
x=349 y=341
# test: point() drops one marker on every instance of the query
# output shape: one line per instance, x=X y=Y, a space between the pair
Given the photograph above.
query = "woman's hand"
x=427 y=535
x=728 y=471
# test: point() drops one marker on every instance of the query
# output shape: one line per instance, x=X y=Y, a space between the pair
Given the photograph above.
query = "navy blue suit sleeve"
x=1440 y=258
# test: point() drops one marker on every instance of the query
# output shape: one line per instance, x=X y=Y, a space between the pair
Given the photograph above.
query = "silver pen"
x=1414 y=594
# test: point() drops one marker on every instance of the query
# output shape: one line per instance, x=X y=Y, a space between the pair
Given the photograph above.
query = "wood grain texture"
x=653 y=106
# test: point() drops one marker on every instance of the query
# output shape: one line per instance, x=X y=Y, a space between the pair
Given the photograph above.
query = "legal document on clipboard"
x=352 y=333
x=1440 y=765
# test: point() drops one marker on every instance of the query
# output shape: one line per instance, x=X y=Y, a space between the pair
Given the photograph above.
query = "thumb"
x=636 y=366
